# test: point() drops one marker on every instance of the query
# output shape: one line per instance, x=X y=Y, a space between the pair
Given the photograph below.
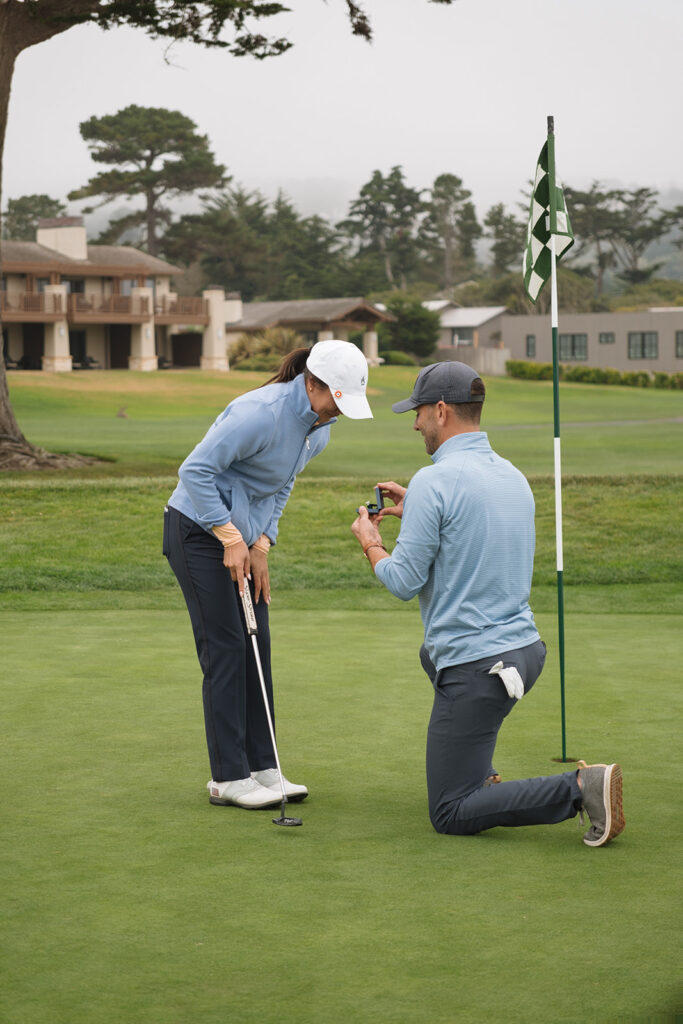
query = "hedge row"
x=594 y=375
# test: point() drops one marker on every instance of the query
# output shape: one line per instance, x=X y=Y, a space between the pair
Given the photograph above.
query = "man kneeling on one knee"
x=466 y=549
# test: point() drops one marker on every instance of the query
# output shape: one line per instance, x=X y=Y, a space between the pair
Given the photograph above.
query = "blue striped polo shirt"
x=466 y=547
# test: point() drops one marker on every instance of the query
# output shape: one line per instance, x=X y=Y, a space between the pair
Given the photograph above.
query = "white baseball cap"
x=343 y=367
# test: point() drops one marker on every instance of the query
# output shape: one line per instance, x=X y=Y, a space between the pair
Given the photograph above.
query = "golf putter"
x=252 y=630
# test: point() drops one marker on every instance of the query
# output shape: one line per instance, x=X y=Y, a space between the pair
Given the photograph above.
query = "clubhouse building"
x=66 y=304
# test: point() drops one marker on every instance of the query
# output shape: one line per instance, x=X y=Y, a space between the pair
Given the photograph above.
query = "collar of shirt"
x=302 y=405
x=475 y=440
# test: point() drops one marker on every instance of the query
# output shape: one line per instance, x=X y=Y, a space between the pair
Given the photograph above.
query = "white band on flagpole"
x=553 y=284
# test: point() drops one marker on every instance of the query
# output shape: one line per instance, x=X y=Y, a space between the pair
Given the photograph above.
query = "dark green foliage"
x=383 y=221
x=449 y=230
x=20 y=219
x=393 y=357
x=508 y=236
x=155 y=154
x=525 y=370
x=416 y=329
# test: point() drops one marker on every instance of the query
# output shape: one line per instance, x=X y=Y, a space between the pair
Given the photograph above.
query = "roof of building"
x=436 y=305
x=103 y=260
x=470 y=316
x=314 y=312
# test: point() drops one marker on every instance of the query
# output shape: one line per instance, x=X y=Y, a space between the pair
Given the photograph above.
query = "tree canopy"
x=155 y=154
x=21 y=217
x=201 y=21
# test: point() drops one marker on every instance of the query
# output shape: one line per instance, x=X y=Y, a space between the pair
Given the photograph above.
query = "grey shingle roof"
x=256 y=315
x=118 y=257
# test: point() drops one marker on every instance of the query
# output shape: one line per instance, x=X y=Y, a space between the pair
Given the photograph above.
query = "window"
x=573 y=347
x=74 y=285
x=531 y=346
x=642 y=345
x=606 y=337
x=462 y=336
x=679 y=344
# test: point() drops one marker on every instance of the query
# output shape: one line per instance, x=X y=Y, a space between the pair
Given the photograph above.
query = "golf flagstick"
x=252 y=630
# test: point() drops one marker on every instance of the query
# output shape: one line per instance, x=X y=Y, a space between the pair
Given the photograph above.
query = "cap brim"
x=405 y=406
x=355 y=407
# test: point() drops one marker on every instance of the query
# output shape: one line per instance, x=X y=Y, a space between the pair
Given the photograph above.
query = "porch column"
x=370 y=348
x=56 y=357
x=143 y=354
x=214 y=351
x=326 y=335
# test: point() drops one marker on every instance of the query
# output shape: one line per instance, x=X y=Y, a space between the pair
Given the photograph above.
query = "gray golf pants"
x=468 y=711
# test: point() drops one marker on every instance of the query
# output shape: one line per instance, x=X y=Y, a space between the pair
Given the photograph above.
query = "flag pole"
x=554 y=323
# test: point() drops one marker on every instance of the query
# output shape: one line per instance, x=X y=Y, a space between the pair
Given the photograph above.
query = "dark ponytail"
x=291 y=366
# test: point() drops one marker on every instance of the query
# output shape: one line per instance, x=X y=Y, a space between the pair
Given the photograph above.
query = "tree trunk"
x=9 y=428
x=152 y=244
x=20 y=27
x=387 y=260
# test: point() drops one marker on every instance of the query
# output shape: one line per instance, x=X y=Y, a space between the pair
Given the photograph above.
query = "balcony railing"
x=112 y=308
x=36 y=306
x=181 y=309
x=41 y=307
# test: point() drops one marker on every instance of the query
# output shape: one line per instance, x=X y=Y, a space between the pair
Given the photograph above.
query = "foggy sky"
x=463 y=89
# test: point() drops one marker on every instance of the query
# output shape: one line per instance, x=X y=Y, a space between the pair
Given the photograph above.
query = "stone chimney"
x=65 y=235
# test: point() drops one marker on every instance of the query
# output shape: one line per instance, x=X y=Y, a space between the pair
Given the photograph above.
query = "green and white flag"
x=536 y=266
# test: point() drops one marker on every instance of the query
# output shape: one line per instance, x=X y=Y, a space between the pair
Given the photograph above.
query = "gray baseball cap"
x=449 y=382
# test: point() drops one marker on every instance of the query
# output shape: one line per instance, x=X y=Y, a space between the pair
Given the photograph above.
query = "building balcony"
x=31 y=307
x=181 y=309
x=111 y=309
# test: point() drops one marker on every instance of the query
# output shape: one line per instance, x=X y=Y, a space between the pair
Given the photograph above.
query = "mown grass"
x=605 y=430
x=67 y=535
x=129 y=899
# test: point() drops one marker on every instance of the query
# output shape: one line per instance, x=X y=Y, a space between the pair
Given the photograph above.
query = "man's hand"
x=396 y=493
x=259 y=572
x=364 y=529
x=236 y=559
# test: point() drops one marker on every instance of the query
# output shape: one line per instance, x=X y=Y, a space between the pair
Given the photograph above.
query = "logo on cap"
x=337 y=394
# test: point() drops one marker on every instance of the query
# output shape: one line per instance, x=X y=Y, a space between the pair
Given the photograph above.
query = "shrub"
x=265 y=349
x=268 y=364
x=677 y=381
x=529 y=371
x=636 y=379
x=395 y=358
x=662 y=380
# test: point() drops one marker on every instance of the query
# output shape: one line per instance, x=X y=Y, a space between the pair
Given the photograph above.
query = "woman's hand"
x=259 y=572
x=396 y=493
x=236 y=559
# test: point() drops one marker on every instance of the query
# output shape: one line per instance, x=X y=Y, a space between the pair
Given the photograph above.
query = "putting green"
x=129 y=898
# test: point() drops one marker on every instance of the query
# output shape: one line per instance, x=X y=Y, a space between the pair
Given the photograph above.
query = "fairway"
x=128 y=898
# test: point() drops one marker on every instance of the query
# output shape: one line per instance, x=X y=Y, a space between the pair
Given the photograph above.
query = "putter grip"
x=249 y=614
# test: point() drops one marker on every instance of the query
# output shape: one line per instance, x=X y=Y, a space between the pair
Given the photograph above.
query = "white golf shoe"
x=270 y=778
x=242 y=793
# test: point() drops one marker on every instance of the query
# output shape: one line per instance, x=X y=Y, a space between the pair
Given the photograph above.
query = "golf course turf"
x=128 y=898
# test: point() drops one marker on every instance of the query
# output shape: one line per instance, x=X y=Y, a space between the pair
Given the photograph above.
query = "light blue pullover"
x=466 y=546
x=244 y=469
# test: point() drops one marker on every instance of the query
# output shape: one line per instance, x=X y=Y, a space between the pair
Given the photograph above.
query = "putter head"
x=287 y=821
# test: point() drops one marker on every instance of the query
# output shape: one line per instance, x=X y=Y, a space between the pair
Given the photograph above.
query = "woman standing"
x=223 y=515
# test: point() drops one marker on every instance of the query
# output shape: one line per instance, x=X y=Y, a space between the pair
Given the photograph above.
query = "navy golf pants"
x=237 y=733
x=468 y=711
